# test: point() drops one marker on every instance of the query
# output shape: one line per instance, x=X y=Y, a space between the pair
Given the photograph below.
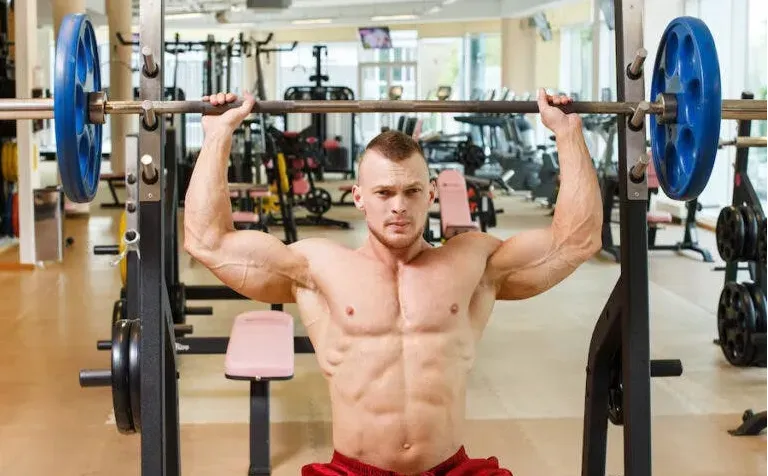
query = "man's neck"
x=391 y=257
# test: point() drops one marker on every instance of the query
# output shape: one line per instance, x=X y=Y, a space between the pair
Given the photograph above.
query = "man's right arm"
x=255 y=264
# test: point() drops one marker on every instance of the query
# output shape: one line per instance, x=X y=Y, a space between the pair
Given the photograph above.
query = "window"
x=757 y=82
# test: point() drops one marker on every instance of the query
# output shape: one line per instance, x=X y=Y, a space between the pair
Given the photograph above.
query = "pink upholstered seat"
x=650 y=173
x=659 y=217
x=260 y=346
x=247 y=217
x=301 y=186
x=455 y=217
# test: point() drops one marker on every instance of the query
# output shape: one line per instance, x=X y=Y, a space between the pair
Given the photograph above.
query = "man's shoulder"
x=474 y=242
x=314 y=246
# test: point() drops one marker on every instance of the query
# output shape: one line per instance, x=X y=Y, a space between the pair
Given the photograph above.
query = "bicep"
x=530 y=263
x=258 y=266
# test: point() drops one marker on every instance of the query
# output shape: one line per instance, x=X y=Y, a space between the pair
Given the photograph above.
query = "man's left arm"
x=534 y=261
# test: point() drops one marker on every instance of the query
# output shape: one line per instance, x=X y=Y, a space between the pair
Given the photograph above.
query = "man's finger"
x=542 y=100
x=231 y=97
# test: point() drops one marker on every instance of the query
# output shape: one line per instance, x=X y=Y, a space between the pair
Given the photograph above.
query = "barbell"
x=685 y=115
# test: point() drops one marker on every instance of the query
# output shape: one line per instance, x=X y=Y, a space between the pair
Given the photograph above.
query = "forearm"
x=207 y=206
x=578 y=213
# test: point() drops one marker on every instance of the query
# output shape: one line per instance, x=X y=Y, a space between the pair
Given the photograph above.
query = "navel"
x=406 y=446
x=454 y=308
x=350 y=311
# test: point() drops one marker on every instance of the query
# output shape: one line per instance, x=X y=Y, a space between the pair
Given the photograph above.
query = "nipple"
x=454 y=308
x=406 y=446
x=349 y=310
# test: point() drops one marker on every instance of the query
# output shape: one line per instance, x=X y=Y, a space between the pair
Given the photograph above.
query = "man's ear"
x=432 y=191
x=357 y=197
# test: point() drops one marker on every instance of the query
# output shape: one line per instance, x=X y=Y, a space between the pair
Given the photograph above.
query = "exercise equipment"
x=123 y=376
x=685 y=159
x=738 y=233
x=622 y=328
x=737 y=322
x=122 y=247
x=260 y=349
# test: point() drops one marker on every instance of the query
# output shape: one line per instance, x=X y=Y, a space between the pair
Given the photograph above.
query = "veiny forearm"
x=578 y=213
x=207 y=206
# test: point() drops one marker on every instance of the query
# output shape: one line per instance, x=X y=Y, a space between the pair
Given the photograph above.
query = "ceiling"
x=234 y=14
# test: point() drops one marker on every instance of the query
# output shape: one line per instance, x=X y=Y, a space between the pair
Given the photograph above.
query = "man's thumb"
x=542 y=99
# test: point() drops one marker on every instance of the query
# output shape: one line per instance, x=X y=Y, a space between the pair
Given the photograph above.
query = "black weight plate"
x=318 y=201
x=751 y=229
x=121 y=398
x=117 y=310
x=761 y=242
x=616 y=396
x=134 y=372
x=730 y=233
x=736 y=324
x=758 y=298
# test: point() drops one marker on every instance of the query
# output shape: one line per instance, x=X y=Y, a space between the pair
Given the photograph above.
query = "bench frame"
x=259 y=453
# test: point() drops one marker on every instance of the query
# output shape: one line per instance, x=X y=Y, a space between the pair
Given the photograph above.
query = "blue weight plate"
x=686 y=66
x=78 y=142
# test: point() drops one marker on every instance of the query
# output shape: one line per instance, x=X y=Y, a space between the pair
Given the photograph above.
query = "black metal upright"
x=635 y=339
x=744 y=194
x=621 y=335
x=160 y=422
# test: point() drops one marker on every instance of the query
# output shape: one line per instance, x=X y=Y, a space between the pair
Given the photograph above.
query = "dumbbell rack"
x=744 y=195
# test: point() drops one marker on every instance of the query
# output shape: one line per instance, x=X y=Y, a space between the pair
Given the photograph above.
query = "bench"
x=111 y=179
x=455 y=217
x=260 y=349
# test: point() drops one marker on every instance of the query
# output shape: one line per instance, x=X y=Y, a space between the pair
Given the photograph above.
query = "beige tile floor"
x=525 y=396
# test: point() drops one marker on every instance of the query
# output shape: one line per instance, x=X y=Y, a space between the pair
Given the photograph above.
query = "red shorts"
x=457 y=465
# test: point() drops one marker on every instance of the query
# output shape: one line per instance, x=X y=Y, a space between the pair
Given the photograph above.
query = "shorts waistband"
x=363 y=469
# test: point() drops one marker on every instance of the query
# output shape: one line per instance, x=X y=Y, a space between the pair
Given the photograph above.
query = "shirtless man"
x=395 y=322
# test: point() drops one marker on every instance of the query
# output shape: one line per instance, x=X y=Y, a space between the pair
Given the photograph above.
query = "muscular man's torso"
x=396 y=346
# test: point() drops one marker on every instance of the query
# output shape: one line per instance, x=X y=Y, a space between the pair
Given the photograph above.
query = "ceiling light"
x=448 y=2
x=434 y=9
x=183 y=16
x=312 y=21
x=394 y=17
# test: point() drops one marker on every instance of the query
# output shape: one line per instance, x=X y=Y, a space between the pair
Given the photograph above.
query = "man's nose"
x=398 y=204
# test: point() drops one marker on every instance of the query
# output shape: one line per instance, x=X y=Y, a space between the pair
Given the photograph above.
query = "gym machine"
x=336 y=157
x=144 y=370
x=741 y=310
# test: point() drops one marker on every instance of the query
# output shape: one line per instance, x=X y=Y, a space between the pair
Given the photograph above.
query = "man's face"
x=395 y=197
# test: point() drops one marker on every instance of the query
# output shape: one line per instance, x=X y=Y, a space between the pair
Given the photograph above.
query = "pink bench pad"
x=245 y=217
x=659 y=217
x=454 y=208
x=260 y=346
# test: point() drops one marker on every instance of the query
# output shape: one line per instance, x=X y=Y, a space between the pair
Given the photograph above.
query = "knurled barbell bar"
x=684 y=117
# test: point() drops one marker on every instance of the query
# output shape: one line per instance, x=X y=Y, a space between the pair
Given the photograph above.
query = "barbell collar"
x=97 y=105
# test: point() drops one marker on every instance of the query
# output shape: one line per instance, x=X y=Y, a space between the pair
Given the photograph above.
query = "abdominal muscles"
x=398 y=395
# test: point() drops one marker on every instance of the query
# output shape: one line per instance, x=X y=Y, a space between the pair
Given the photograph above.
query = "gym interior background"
x=526 y=397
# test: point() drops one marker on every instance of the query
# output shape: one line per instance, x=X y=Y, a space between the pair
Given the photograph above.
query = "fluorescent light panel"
x=394 y=17
x=182 y=16
x=312 y=21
